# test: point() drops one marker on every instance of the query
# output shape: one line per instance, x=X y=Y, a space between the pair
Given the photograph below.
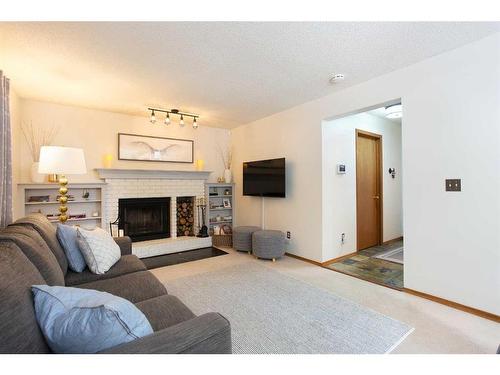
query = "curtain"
x=5 y=154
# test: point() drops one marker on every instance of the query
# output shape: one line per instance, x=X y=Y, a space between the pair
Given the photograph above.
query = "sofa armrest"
x=206 y=334
x=125 y=244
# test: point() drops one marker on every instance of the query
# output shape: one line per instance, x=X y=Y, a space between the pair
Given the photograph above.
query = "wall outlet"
x=288 y=235
x=342 y=238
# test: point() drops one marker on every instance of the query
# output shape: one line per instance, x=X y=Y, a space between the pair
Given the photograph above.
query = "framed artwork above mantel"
x=149 y=148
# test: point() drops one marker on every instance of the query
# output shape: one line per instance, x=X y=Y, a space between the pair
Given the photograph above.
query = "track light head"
x=195 y=123
x=153 y=117
x=167 y=119
x=181 y=123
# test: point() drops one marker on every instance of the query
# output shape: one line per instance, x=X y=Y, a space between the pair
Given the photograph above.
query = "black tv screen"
x=264 y=178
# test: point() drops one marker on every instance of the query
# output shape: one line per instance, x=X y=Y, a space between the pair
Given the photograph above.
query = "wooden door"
x=368 y=189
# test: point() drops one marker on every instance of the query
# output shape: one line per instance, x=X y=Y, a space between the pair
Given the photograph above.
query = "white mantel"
x=108 y=173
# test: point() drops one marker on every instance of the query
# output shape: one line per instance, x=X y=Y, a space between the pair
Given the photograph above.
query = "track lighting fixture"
x=174 y=112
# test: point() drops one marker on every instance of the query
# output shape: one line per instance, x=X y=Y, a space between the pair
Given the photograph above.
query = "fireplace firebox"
x=144 y=219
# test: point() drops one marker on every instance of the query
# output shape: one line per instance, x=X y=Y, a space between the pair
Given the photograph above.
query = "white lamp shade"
x=61 y=160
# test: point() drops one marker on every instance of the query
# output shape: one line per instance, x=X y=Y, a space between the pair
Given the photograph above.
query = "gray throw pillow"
x=99 y=249
x=77 y=320
x=67 y=237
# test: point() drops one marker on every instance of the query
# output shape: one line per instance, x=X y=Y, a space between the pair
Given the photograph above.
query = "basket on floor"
x=222 y=240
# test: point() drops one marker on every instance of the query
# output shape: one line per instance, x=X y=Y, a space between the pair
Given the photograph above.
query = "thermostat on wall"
x=340 y=168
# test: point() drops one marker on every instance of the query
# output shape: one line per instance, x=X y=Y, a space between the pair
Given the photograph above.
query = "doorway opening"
x=365 y=153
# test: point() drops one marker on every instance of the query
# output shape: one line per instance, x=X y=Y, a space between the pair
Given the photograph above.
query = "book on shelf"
x=39 y=198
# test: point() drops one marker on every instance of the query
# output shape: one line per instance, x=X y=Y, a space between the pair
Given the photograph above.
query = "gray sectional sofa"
x=30 y=254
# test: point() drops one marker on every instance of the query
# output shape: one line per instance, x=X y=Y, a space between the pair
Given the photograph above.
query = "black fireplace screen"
x=144 y=219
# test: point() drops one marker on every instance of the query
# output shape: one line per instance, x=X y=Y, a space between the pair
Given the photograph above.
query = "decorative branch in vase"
x=37 y=137
x=227 y=159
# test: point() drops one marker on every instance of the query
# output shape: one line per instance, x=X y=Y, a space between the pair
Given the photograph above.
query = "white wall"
x=451 y=129
x=339 y=190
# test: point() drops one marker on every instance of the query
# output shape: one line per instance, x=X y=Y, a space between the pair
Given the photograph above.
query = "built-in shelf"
x=80 y=205
x=221 y=222
x=68 y=202
x=222 y=212
x=77 y=219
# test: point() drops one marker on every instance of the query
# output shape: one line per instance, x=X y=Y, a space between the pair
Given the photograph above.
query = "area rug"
x=273 y=313
x=395 y=255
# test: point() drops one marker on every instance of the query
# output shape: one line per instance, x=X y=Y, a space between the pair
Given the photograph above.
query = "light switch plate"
x=453 y=184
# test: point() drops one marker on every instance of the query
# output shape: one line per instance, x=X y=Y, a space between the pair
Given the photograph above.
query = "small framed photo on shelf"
x=226 y=202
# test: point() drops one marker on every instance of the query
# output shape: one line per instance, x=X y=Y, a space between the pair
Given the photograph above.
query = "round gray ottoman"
x=268 y=244
x=242 y=238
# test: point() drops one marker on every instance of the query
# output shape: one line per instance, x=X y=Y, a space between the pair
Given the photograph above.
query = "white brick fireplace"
x=138 y=183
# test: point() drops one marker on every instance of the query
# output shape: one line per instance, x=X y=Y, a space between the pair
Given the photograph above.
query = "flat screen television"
x=265 y=178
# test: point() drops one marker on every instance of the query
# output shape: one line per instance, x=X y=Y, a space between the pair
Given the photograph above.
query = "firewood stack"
x=185 y=216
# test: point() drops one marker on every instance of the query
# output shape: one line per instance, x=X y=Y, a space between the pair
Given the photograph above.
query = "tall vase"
x=228 y=176
x=36 y=177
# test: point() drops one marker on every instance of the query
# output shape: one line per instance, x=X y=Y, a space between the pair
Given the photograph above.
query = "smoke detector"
x=336 y=78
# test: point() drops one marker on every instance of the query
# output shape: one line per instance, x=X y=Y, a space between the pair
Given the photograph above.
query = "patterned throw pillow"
x=67 y=237
x=77 y=320
x=99 y=249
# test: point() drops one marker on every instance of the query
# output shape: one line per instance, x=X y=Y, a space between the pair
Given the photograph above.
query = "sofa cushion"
x=99 y=249
x=66 y=234
x=135 y=287
x=36 y=250
x=126 y=264
x=48 y=232
x=19 y=331
x=165 y=311
x=75 y=320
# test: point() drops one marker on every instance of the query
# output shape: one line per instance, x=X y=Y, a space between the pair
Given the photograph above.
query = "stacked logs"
x=185 y=216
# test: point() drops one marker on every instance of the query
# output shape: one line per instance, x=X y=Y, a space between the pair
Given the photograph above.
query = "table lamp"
x=62 y=161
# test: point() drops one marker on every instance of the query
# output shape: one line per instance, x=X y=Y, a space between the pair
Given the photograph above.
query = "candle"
x=107 y=160
x=199 y=164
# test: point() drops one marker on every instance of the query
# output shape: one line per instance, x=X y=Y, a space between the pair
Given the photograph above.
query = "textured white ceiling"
x=230 y=73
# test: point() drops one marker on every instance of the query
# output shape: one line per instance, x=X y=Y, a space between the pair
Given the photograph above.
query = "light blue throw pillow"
x=77 y=320
x=67 y=236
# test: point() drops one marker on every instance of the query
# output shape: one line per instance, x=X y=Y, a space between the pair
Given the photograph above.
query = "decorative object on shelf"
x=226 y=202
x=107 y=161
x=227 y=192
x=220 y=180
x=149 y=148
x=175 y=112
x=39 y=198
x=200 y=163
x=62 y=160
x=202 y=206
x=78 y=216
x=36 y=137
x=52 y=177
x=95 y=214
x=226 y=156
x=85 y=194
x=226 y=229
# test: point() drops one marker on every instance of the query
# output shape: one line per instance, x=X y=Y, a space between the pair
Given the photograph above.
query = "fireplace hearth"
x=144 y=219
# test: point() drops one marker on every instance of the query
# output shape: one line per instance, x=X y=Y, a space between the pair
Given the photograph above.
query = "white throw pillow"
x=99 y=249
